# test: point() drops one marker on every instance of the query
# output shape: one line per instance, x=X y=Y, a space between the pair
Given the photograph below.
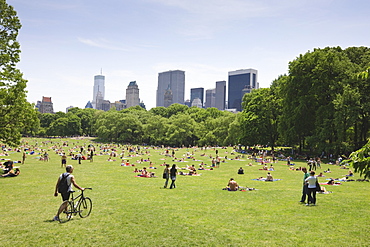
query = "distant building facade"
x=197 y=93
x=220 y=95
x=105 y=106
x=210 y=98
x=45 y=106
x=168 y=97
x=173 y=80
x=99 y=90
x=197 y=103
x=132 y=94
x=118 y=105
x=99 y=100
x=238 y=80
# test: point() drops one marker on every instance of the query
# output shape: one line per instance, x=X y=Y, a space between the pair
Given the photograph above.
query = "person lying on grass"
x=234 y=186
x=12 y=173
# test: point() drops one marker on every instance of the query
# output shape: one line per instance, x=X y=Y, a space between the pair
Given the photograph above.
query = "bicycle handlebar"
x=72 y=191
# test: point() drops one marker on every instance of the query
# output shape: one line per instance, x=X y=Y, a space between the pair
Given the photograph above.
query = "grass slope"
x=132 y=211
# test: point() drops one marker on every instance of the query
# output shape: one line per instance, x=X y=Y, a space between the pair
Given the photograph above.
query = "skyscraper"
x=99 y=86
x=197 y=93
x=238 y=80
x=173 y=80
x=132 y=94
x=210 y=98
x=45 y=106
x=220 y=95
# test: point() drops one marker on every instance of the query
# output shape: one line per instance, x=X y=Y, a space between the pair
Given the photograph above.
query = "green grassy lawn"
x=132 y=211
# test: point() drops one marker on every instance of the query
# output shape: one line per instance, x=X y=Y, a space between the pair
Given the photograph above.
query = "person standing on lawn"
x=305 y=189
x=166 y=175
x=311 y=181
x=173 y=173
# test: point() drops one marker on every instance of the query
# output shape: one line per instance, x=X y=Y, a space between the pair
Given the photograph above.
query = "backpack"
x=63 y=185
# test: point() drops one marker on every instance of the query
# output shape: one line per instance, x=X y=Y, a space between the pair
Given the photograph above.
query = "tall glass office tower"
x=173 y=80
x=99 y=86
x=238 y=80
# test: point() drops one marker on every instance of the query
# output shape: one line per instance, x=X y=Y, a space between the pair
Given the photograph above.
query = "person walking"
x=64 y=160
x=311 y=184
x=173 y=173
x=166 y=175
x=65 y=191
x=305 y=189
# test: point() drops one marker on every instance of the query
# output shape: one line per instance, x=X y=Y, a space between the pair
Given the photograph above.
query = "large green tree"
x=314 y=80
x=16 y=114
x=261 y=112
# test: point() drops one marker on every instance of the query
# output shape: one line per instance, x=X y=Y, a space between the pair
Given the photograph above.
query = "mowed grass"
x=132 y=211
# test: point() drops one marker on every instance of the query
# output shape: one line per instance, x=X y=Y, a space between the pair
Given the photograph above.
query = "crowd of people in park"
x=140 y=158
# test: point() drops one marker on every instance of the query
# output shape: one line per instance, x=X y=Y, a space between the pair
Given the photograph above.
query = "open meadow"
x=135 y=211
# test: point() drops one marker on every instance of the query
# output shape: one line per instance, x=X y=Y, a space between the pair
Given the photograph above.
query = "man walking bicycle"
x=64 y=187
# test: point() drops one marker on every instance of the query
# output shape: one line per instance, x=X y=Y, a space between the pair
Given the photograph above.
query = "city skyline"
x=64 y=43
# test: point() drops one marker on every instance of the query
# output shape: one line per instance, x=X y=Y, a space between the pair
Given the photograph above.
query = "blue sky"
x=65 y=43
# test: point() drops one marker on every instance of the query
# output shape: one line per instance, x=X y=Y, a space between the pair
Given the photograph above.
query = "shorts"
x=64 y=162
x=65 y=196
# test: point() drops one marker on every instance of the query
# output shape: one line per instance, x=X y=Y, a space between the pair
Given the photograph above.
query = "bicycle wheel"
x=66 y=215
x=84 y=209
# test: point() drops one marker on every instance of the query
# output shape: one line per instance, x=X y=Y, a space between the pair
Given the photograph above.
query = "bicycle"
x=80 y=204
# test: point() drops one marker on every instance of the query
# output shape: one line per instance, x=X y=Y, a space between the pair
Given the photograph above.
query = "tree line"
x=321 y=105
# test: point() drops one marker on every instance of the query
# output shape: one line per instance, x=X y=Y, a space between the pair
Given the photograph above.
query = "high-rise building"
x=210 y=98
x=220 y=95
x=173 y=80
x=238 y=80
x=45 y=106
x=132 y=94
x=99 y=86
x=168 y=97
x=197 y=93
x=99 y=100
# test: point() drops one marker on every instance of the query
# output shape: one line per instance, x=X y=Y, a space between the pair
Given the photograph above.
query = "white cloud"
x=104 y=44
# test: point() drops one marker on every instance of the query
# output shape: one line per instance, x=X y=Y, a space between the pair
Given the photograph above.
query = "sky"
x=66 y=43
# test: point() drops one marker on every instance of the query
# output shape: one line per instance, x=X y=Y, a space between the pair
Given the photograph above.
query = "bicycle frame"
x=80 y=204
x=73 y=200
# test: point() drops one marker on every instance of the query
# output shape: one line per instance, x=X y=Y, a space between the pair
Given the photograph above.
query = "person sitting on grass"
x=269 y=177
x=12 y=173
x=232 y=185
x=192 y=170
x=144 y=173
x=241 y=171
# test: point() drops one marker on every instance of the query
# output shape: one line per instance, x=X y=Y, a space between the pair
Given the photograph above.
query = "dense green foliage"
x=16 y=114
